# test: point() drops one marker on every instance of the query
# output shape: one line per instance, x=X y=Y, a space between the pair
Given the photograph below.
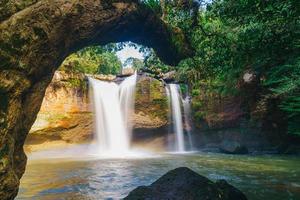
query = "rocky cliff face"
x=151 y=103
x=151 y=113
x=242 y=118
x=65 y=115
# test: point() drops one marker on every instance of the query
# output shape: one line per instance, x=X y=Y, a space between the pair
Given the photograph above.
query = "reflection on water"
x=259 y=177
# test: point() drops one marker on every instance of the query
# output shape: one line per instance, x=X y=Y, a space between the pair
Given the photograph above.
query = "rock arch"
x=36 y=36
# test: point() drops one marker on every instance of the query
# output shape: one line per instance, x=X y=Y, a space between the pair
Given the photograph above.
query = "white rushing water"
x=127 y=98
x=113 y=105
x=170 y=140
x=177 y=117
x=181 y=120
x=187 y=119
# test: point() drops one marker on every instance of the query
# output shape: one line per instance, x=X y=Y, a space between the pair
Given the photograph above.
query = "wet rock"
x=169 y=77
x=127 y=71
x=183 y=183
x=65 y=113
x=229 y=192
x=151 y=103
x=103 y=77
x=232 y=147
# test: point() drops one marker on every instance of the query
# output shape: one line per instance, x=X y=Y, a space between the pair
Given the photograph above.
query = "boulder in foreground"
x=183 y=183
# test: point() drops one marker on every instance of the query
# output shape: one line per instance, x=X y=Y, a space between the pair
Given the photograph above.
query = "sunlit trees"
x=93 y=60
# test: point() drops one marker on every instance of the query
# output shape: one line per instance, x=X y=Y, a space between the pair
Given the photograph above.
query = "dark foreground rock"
x=231 y=147
x=183 y=183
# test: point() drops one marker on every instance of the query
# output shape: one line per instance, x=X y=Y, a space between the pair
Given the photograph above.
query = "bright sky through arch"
x=128 y=52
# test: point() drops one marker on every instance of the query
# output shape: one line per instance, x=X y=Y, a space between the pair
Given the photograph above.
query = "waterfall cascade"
x=187 y=119
x=176 y=100
x=177 y=117
x=113 y=105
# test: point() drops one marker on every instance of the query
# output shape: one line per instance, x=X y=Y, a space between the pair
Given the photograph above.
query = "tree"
x=135 y=63
x=231 y=37
x=110 y=64
x=94 y=60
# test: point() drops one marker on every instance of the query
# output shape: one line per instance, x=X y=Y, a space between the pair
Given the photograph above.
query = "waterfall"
x=177 y=117
x=175 y=102
x=170 y=143
x=187 y=119
x=127 y=98
x=113 y=105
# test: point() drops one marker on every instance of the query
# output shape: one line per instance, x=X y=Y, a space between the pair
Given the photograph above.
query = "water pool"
x=259 y=177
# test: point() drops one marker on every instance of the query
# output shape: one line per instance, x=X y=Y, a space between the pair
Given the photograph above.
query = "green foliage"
x=153 y=65
x=93 y=60
x=153 y=5
x=4 y=150
x=183 y=89
x=110 y=64
x=268 y=43
x=231 y=37
x=135 y=63
x=284 y=83
x=76 y=83
x=199 y=116
x=197 y=105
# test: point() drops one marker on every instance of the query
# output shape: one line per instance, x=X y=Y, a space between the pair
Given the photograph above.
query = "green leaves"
x=109 y=64
x=153 y=5
x=232 y=37
x=93 y=60
x=284 y=83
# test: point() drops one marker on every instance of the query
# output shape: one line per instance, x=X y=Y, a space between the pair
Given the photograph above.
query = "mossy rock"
x=151 y=98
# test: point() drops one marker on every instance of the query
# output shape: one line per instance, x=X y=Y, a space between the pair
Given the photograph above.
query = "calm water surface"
x=259 y=177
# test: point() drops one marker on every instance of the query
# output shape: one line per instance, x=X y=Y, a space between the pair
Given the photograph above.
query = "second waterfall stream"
x=177 y=104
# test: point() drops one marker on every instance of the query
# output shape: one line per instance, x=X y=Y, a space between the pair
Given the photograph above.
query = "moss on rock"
x=151 y=99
